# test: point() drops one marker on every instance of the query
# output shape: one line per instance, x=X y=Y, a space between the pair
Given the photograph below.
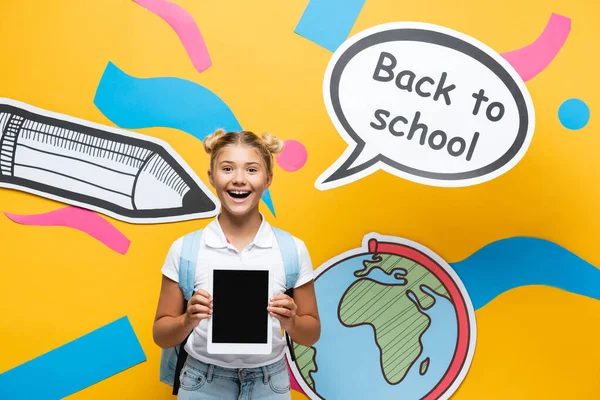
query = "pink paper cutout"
x=293 y=382
x=532 y=59
x=293 y=157
x=80 y=219
x=186 y=28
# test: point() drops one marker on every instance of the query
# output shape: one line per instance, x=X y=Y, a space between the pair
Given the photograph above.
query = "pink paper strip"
x=80 y=219
x=184 y=25
x=532 y=59
x=293 y=382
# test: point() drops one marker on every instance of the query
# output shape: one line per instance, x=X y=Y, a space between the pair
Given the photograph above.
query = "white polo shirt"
x=215 y=251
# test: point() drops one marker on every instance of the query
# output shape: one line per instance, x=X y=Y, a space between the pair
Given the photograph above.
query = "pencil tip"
x=195 y=200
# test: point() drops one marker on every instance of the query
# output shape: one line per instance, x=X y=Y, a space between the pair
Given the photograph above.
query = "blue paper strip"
x=135 y=103
x=519 y=261
x=75 y=365
x=269 y=202
x=328 y=22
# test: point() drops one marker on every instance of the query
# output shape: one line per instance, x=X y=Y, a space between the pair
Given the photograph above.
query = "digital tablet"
x=240 y=322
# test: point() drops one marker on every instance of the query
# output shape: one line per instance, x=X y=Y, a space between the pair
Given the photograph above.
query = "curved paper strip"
x=135 y=103
x=293 y=382
x=186 y=28
x=532 y=59
x=520 y=261
x=82 y=220
x=59 y=373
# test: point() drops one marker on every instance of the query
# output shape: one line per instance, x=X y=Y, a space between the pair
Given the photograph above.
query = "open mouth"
x=238 y=194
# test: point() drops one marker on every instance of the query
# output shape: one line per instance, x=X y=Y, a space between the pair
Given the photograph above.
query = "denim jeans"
x=206 y=381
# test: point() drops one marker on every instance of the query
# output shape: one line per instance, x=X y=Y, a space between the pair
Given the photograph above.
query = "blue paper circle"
x=574 y=114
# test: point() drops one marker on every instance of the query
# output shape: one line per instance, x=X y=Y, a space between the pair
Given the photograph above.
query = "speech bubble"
x=427 y=104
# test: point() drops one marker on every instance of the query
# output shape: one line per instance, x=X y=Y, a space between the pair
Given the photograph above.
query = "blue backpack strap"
x=187 y=262
x=291 y=264
x=187 y=277
x=289 y=253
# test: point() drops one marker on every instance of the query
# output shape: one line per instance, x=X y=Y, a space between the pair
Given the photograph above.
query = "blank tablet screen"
x=240 y=300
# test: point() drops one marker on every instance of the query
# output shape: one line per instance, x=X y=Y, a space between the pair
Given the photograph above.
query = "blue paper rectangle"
x=328 y=22
x=76 y=365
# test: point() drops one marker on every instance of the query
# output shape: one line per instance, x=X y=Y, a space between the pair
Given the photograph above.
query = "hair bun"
x=275 y=145
x=212 y=139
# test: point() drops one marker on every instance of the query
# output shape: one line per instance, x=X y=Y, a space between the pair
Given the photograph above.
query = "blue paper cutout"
x=574 y=114
x=328 y=22
x=76 y=365
x=519 y=261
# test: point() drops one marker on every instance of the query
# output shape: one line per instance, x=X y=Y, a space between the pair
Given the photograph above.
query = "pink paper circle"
x=293 y=157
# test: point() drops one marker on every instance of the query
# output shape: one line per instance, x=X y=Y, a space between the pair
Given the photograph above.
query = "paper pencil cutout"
x=125 y=175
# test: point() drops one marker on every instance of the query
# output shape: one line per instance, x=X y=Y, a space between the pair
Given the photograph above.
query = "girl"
x=241 y=169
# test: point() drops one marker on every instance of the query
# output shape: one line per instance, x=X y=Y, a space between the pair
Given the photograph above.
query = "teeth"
x=237 y=192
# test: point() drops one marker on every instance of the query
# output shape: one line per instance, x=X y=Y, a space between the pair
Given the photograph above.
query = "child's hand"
x=199 y=307
x=284 y=309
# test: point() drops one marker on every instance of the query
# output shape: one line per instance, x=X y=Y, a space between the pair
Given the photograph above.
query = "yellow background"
x=58 y=284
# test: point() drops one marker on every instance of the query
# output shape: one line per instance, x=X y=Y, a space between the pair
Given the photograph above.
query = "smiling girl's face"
x=240 y=177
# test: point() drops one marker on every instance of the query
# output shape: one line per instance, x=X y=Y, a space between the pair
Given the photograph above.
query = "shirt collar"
x=215 y=237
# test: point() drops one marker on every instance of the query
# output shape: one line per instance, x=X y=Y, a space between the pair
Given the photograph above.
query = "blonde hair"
x=267 y=145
